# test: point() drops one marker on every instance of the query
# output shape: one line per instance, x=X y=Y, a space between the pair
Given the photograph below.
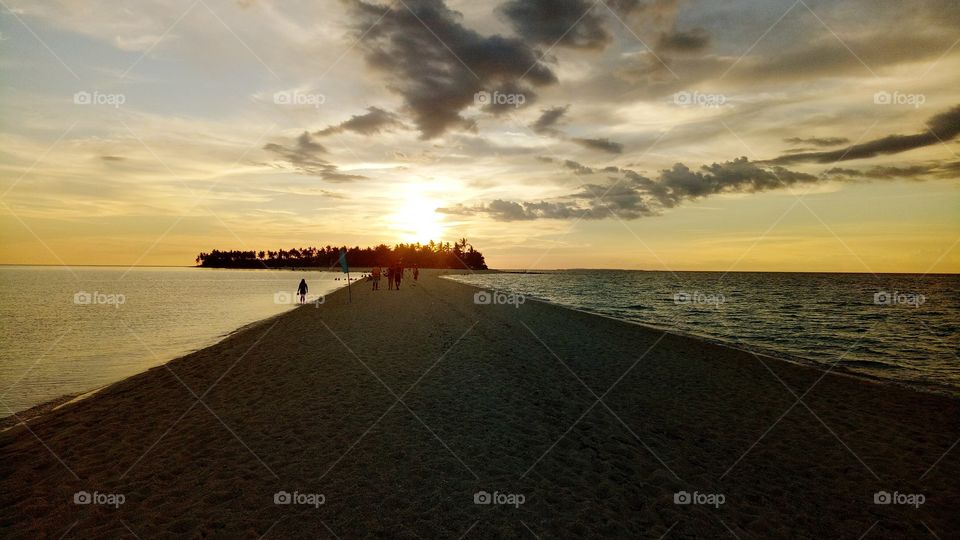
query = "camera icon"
x=882 y=497
x=282 y=98
x=681 y=497
x=481 y=98
x=83 y=298
x=483 y=298
x=681 y=298
x=282 y=497
x=482 y=497
x=882 y=298
x=682 y=98
x=882 y=98
x=82 y=497
x=282 y=298
x=82 y=98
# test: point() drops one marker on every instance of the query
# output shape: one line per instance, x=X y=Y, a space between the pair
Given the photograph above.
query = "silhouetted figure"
x=390 y=277
x=416 y=272
x=398 y=274
x=302 y=291
x=375 y=278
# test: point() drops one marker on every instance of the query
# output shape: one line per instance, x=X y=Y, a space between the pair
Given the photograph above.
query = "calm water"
x=52 y=343
x=900 y=327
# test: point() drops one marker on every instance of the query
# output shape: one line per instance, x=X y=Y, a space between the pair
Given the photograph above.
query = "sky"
x=676 y=135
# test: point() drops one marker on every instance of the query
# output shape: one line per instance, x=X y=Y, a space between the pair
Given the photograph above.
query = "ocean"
x=897 y=327
x=70 y=330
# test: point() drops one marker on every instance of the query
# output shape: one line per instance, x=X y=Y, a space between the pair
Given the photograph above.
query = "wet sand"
x=400 y=407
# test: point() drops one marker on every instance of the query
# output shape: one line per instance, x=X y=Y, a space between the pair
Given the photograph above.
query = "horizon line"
x=505 y=270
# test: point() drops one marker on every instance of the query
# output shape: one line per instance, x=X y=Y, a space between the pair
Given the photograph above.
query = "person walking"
x=398 y=274
x=375 y=277
x=302 y=291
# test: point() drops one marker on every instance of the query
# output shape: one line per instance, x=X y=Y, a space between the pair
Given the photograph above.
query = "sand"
x=400 y=407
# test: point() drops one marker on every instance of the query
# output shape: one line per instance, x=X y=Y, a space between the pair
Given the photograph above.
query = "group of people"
x=393 y=273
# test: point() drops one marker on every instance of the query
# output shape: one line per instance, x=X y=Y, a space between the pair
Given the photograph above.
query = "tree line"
x=460 y=254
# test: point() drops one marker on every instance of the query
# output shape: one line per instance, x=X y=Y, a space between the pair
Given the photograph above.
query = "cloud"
x=630 y=195
x=919 y=172
x=566 y=23
x=826 y=56
x=818 y=141
x=689 y=41
x=578 y=168
x=303 y=155
x=373 y=121
x=548 y=119
x=604 y=145
x=552 y=116
x=941 y=127
x=437 y=65
x=626 y=204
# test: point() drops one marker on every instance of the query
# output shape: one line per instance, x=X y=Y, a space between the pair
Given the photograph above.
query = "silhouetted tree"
x=431 y=255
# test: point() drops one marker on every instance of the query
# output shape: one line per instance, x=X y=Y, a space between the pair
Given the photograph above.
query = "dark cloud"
x=438 y=65
x=113 y=158
x=740 y=175
x=630 y=195
x=604 y=145
x=578 y=168
x=552 y=116
x=818 y=141
x=373 y=121
x=548 y=119
x=887 y=172
x=567 y=23
x=940 y=128
x=625 y=203
x=689 y=41
x=304 y=156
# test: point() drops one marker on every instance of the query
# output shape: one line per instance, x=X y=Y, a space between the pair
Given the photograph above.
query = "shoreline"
x=33 y=411
x=949 y=392
x=403 y=405
x=946 y=391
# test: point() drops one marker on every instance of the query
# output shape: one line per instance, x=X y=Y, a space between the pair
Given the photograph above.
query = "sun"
x=417 y=219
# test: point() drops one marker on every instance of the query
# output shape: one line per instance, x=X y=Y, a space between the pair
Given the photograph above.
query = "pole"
x=349 y=290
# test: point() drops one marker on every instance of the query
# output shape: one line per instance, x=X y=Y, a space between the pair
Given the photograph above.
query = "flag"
x=343 y=261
